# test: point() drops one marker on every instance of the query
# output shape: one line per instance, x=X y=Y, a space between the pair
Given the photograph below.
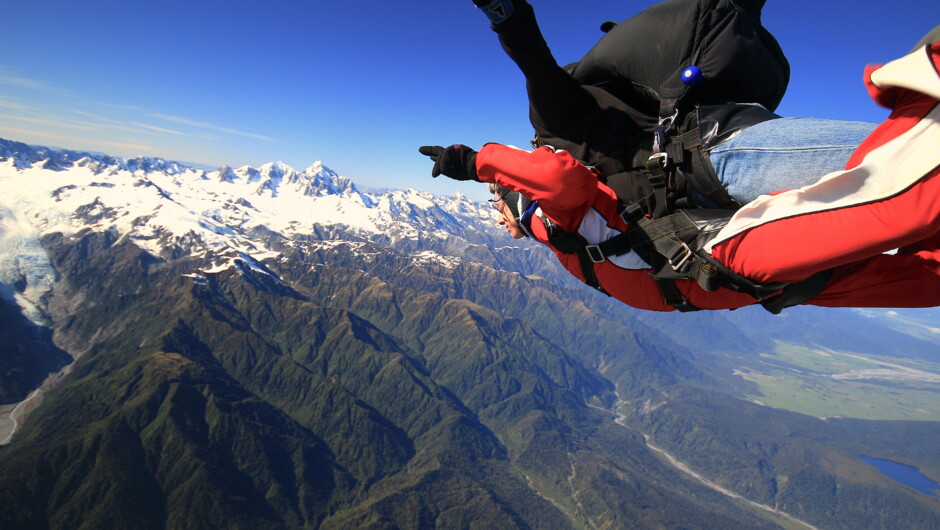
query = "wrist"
x=472 y=168
x=497 y=11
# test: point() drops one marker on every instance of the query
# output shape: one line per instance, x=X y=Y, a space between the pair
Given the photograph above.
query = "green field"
x=827 y=383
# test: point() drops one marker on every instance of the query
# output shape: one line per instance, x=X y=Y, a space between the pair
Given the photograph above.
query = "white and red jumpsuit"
x=887 y=198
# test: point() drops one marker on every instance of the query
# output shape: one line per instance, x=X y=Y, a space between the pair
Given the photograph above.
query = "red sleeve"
x=564 y=187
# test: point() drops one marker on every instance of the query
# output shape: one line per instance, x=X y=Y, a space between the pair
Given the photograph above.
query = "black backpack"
x=642 y=59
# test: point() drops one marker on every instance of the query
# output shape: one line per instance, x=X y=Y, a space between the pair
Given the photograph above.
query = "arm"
x=564 y=187
x=556 y=99
x=587 y=121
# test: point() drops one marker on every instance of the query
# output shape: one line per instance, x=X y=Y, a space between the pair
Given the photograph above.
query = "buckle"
x=665 y=122
x=658 y=159
x=685 y=253
x=659 y=135
x=595 y=253
x=632 y=214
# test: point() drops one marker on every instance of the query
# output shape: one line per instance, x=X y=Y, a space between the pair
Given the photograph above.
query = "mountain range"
x=273 y=348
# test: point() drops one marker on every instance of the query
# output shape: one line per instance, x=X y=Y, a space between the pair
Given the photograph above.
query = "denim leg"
x=784 y=154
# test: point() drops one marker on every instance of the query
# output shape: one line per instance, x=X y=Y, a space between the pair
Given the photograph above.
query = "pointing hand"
x=457 y=161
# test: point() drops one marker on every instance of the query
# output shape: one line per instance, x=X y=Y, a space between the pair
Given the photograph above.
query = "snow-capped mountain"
x=153 y=201
x=272 y=348
x=173 y=209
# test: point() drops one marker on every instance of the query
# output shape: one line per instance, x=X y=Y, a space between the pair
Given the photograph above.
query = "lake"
x=908 y=475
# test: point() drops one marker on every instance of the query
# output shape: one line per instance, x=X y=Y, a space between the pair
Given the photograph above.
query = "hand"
x=458 y=162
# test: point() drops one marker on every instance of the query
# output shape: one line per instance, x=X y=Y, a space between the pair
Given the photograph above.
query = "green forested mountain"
x=237 y=399
x=340 y=378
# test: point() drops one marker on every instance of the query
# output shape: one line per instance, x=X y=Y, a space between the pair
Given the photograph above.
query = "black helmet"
x=516 y=202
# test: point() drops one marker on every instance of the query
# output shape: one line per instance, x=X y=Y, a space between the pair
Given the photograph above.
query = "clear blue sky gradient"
x=358 y=85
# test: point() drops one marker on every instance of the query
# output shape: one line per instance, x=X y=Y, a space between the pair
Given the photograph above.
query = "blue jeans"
x=784 y=154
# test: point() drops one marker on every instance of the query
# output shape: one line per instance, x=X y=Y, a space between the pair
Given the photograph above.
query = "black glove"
x=497 y=10
x=458 y=162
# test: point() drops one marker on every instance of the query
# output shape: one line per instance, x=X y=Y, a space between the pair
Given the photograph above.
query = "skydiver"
x=825 y=244
x=591 y=123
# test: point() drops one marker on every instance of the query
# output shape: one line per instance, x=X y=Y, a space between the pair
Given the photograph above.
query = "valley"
x=272 y=348
x=826 y=383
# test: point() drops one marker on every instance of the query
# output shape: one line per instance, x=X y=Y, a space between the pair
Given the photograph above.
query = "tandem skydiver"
x=826 y=243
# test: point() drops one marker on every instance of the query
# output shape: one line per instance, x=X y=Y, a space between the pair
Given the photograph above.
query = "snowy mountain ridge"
x=170 y=207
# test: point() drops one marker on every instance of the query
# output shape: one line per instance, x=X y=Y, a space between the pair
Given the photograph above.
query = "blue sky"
x=358 y=85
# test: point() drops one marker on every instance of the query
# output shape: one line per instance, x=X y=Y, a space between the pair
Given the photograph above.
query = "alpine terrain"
x=274 y=348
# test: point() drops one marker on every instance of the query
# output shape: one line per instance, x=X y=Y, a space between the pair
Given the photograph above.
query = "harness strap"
x=673 y=297
x=588 y=255
x=798 y=293
x=670 y=292
x=659 y=168
x=689 y=156
x=649 y=232
x=662 y=244
x=660 y=234
x=658 y=172
x=569 y=243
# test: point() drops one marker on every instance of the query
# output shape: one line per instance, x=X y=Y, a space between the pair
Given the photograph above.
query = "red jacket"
x=886 y=199
x=571 y=195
